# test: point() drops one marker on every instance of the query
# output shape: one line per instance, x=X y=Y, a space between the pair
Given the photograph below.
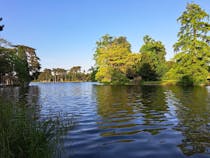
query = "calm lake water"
x=125 y=121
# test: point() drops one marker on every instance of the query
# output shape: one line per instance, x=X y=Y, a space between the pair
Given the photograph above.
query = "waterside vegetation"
x=116 y=64
x=190 y=66
x=74 y=74
x=19 y=64
x=24 y=136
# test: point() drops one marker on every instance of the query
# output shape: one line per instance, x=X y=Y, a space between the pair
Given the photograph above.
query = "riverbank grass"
x=21 y=136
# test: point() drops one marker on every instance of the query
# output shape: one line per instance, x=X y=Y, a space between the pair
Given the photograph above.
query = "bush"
x=119 y=78
x=186 y=81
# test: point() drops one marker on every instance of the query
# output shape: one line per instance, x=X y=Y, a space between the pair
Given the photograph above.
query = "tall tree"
x=193 y=46
x=46 y=75
x=61 y=74
x=30 y=62
x=153 y=63
x=110 y=55
x=6 y=65
x=74 y=73
x=92 y=73
x=19 y=63
x=132 y=65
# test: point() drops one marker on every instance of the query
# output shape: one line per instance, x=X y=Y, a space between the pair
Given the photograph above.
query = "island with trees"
x=116 y=64
x=22 y=135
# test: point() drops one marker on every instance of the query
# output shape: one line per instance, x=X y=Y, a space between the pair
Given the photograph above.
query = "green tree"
x=132 y=65
x=18 y=63
x=74 y=73
x=6 y=65
x=59 y=74
x=153 y=63
x=46 y=75
x=27 y=66
x=21 y=66
x=92 y=73
x=110 y=56
x=193 y=50
x=16 y=66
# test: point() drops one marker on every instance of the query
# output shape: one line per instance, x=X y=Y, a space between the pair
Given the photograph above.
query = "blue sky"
x=64 y=32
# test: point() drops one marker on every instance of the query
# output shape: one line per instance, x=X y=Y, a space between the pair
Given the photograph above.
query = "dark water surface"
x=125 y=121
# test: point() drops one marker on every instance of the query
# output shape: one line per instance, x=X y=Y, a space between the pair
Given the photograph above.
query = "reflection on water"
x=193 y=112
x=22 y=97
x=130 y=121
x=28 y=96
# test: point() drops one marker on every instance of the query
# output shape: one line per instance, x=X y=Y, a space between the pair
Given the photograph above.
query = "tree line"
x=117 y=64
x=19 y=64
x=74 y=74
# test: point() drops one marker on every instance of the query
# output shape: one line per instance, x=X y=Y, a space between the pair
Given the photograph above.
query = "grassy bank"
x=163 y=83
x=21 y=136
x=170 y=83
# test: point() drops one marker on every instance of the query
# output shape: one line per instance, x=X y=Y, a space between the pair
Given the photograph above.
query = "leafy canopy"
x=153 y=64
x=111 y=55
x=193 y=50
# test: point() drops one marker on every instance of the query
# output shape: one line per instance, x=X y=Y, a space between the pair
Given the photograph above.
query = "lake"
x=124 y=121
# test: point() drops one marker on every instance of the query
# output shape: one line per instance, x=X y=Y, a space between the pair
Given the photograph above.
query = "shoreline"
x=143 y=83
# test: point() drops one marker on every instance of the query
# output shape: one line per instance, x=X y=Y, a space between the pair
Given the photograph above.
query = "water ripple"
x=125 y=121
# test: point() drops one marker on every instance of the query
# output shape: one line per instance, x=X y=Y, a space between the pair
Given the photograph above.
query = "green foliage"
x=185 y=69
x=147 y=72
x=153 y=64
x=61 y=75
x=193 y=57
x=132 y=65
x=58 y=74
x=6 y=64
x=75 y=73
x=169 y=64
x=21 y=65
x=18 y=66
x=18 y=63
x=23 y=137
x=114 y=60
x=110 y=55
x=92 y=76
x=118 y=78
x=46 y=75
x=190 y=65
x=186 y=80
x=104 y=74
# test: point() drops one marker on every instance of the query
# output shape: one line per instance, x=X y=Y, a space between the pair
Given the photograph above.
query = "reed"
x=22 y=136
